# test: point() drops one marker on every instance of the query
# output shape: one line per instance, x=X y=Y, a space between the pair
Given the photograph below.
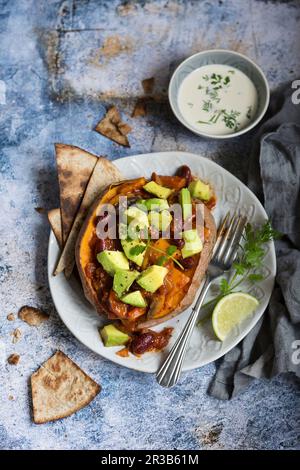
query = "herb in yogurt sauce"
x=230 y=119
x=224 y=99
x=207 y=105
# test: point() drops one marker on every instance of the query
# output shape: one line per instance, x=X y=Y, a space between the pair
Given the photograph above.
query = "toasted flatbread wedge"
x=112 y=127
x=103 y=175
x=54 y=217
x=74 y=166
x=60 y=388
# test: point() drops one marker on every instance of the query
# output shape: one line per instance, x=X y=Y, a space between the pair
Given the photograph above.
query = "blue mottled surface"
x=57 y=74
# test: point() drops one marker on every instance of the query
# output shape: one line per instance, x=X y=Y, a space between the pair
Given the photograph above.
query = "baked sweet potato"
x=183 y=275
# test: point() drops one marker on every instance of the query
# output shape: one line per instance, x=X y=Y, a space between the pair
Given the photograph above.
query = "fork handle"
x=169 y=372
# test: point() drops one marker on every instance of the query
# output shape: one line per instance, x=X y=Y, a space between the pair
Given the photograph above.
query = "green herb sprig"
x=137 y=250
x=168 y=254
x=230 y=119
x=207 y=105
x=251 y=256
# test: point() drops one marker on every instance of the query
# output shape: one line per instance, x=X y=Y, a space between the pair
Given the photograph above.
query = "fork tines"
x=228 y=238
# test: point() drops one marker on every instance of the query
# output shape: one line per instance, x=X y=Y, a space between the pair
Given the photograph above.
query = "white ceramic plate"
x=81 y=319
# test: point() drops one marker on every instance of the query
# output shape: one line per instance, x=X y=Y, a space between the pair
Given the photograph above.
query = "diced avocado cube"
x=186 y=205
x=141 y=204
x=113 y=261
x=137 y=223
x=135 y=299
x=158 y=190
x=123 y=231
x=200 y=190
x=134 y=250
x=160 y=220
x=152 y=278
x=123 y=280
x=111 y=336
x=153 y=204
x=138 y=216
x=193 y=243
x=132 y=231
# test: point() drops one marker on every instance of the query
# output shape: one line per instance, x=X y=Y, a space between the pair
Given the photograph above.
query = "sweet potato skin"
x=110 y=195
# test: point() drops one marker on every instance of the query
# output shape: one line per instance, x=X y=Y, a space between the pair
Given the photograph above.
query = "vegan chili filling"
x=145 y=278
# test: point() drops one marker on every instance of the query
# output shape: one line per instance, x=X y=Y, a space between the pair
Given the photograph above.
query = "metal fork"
x=224 y=253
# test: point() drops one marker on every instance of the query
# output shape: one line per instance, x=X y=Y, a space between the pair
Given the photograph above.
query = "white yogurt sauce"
x=217 y=99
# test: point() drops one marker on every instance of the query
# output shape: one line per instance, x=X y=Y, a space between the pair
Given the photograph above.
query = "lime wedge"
x=231 y=311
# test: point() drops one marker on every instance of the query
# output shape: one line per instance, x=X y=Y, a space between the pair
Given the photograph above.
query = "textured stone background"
x=61 y=63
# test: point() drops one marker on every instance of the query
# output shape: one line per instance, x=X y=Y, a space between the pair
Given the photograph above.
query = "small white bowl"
x=224 y=57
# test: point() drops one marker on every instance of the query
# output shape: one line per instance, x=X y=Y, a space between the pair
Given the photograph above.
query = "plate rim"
x=140 y=367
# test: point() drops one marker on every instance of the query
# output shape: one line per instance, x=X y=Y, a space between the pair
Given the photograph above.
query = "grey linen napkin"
x=274 y=175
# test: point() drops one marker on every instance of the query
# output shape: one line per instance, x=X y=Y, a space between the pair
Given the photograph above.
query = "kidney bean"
x=161 y=339
x=104 y=244
x=142 y=343
x=179 y=242
x=189 y=263
x=185 y=172
x=99 y=218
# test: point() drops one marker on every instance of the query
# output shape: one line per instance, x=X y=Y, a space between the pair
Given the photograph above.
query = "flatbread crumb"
x=60 y=388
x=33 y=316
x=16 y=335
x=140 y=108
x=112 y=127
x=10 y=317
x=13 y=359
x=148 y=85
x=40 y=210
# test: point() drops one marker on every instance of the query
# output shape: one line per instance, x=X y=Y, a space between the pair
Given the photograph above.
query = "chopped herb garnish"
x=205 y=77
x=171 y=250
x=168 y=256
x=231 y=71
x=137 y=250
x=230 y=119
x=216 y=116
x=249 y=112
x=161 y=260
x=213 y=94
x=215 y=79
x=204 y=122
x=226 y=80
x=207 y=105
x=200 y=87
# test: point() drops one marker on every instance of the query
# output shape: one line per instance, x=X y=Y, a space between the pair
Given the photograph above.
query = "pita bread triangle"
x=54 y=217
x=104 y=174
x=74 y=167
x=60 y=388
